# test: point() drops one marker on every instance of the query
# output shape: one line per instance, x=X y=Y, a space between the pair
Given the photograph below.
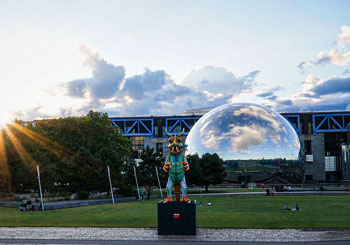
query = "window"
x=160 y=148
x=307 y=147
x=137 y=146
x=308 y=177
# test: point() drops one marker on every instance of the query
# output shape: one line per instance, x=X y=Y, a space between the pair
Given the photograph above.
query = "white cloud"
x=149 y=93
x=344 y=36
x=339 y=56
x=333 y=56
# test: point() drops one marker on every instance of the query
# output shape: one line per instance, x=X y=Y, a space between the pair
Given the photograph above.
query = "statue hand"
x=166 y=167
x=186 y=167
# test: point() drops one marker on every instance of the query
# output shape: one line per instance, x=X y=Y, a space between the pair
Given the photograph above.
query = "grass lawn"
x=215 y=190
x=226 y=212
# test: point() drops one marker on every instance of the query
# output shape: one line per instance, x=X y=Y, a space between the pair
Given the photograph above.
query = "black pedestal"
x=177 y=218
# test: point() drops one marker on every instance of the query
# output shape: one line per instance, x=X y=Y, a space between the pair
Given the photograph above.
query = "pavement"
x=57 y=235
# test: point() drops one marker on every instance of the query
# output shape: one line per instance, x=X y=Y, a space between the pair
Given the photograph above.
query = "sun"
x=4 y=119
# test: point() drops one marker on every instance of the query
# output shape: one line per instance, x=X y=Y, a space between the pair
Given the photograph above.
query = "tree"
x=72 y=153
x=194 y=175
x=146 y=171
x=207 y=170
x=212 y=170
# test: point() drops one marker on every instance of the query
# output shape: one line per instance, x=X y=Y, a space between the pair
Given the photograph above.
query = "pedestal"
x=177 y=218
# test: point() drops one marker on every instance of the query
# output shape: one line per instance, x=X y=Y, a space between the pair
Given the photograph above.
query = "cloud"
x=332 y=86
x=76 y=88
x=219 y=80
x=153 y=92
x=339 y=56
x=269 y=94
x=344 y=36
x=30 y=113
x=104 y=82
x=319 y=94
x=333 y=56
x=138 y=86
x=266 y=94
x=347 y=71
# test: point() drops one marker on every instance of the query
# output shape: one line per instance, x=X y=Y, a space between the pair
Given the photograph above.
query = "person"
x=297 y=208
x=286 y=207
x=142 y=193
x=201 y=204
x=149 y=195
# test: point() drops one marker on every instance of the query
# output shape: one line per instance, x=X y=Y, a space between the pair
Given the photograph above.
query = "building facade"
x=324 y=137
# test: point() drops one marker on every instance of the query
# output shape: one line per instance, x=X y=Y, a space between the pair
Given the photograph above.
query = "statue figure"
x=175 y=165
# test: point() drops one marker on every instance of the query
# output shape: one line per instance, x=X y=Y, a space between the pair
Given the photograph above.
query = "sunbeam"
x=42 y=141
x=5 y=173
x=26 y=158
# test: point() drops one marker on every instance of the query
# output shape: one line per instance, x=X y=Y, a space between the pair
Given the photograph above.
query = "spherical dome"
x=248 y=135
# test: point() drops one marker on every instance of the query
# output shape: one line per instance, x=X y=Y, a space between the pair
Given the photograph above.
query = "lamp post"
x=110 y=183
x=160 y=187
x=41 y=194
x=137 y=184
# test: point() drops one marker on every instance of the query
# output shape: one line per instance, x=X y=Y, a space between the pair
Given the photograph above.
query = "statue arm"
x=186 y=165
x=166 y=165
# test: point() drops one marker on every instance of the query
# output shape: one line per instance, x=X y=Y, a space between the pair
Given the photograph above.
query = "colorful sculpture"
x=175 y=165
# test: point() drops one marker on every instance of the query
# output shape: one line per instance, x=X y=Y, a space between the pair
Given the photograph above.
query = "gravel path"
x=134 y=234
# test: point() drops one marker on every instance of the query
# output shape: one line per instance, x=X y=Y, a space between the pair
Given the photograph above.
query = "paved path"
x=32 y=242
x=144 y=234
x=287 y=193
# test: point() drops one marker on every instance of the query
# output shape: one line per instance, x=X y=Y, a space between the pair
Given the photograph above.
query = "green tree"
x=212 y=168
x=72 y=153
x=194 y=175
x=146 y=172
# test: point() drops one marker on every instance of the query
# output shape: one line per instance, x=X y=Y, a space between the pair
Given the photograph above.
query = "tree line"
x=73 y=154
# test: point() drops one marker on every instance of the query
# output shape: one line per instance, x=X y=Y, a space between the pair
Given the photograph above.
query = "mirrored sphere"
x=250 y=139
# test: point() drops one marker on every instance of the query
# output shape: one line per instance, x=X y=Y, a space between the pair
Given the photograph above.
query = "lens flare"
x=4 y=168
x=26 y=158
x=44 y=142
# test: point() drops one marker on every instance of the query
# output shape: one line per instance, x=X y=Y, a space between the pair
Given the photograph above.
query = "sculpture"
x=175 y=165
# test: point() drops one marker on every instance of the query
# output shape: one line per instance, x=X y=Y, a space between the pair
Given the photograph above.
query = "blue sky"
x=63 y=58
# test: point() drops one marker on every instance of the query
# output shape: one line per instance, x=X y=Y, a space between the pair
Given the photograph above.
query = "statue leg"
x=168 y=190
x=184 y=186
x=184 y=191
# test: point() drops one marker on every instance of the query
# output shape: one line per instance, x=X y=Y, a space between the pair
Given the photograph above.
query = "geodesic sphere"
x=248 y=136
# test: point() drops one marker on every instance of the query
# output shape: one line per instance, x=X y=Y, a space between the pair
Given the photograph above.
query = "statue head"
x=175 y=142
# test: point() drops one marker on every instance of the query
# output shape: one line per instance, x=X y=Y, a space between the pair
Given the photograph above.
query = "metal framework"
x=322 y=123
x=332 y=122
x=176 y=124
x=135 y=126
x=294 y=120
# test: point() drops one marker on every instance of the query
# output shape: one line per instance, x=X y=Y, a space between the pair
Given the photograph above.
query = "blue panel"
x=330 y=124
x=296 y=128
x=179 y=121
x=136 y=122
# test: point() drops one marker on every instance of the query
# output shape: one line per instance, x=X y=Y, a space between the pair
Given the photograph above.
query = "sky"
x=134 y=58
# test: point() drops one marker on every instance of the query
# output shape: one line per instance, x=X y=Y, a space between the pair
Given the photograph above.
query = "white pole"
x=137 y=184
x=41 y=194
x=160 y=188
x=110 y=183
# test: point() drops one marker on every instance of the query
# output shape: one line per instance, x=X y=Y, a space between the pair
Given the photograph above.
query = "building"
x=324 y=137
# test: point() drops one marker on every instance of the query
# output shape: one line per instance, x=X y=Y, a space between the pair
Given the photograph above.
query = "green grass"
x=215 y=190
x=226 y=212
